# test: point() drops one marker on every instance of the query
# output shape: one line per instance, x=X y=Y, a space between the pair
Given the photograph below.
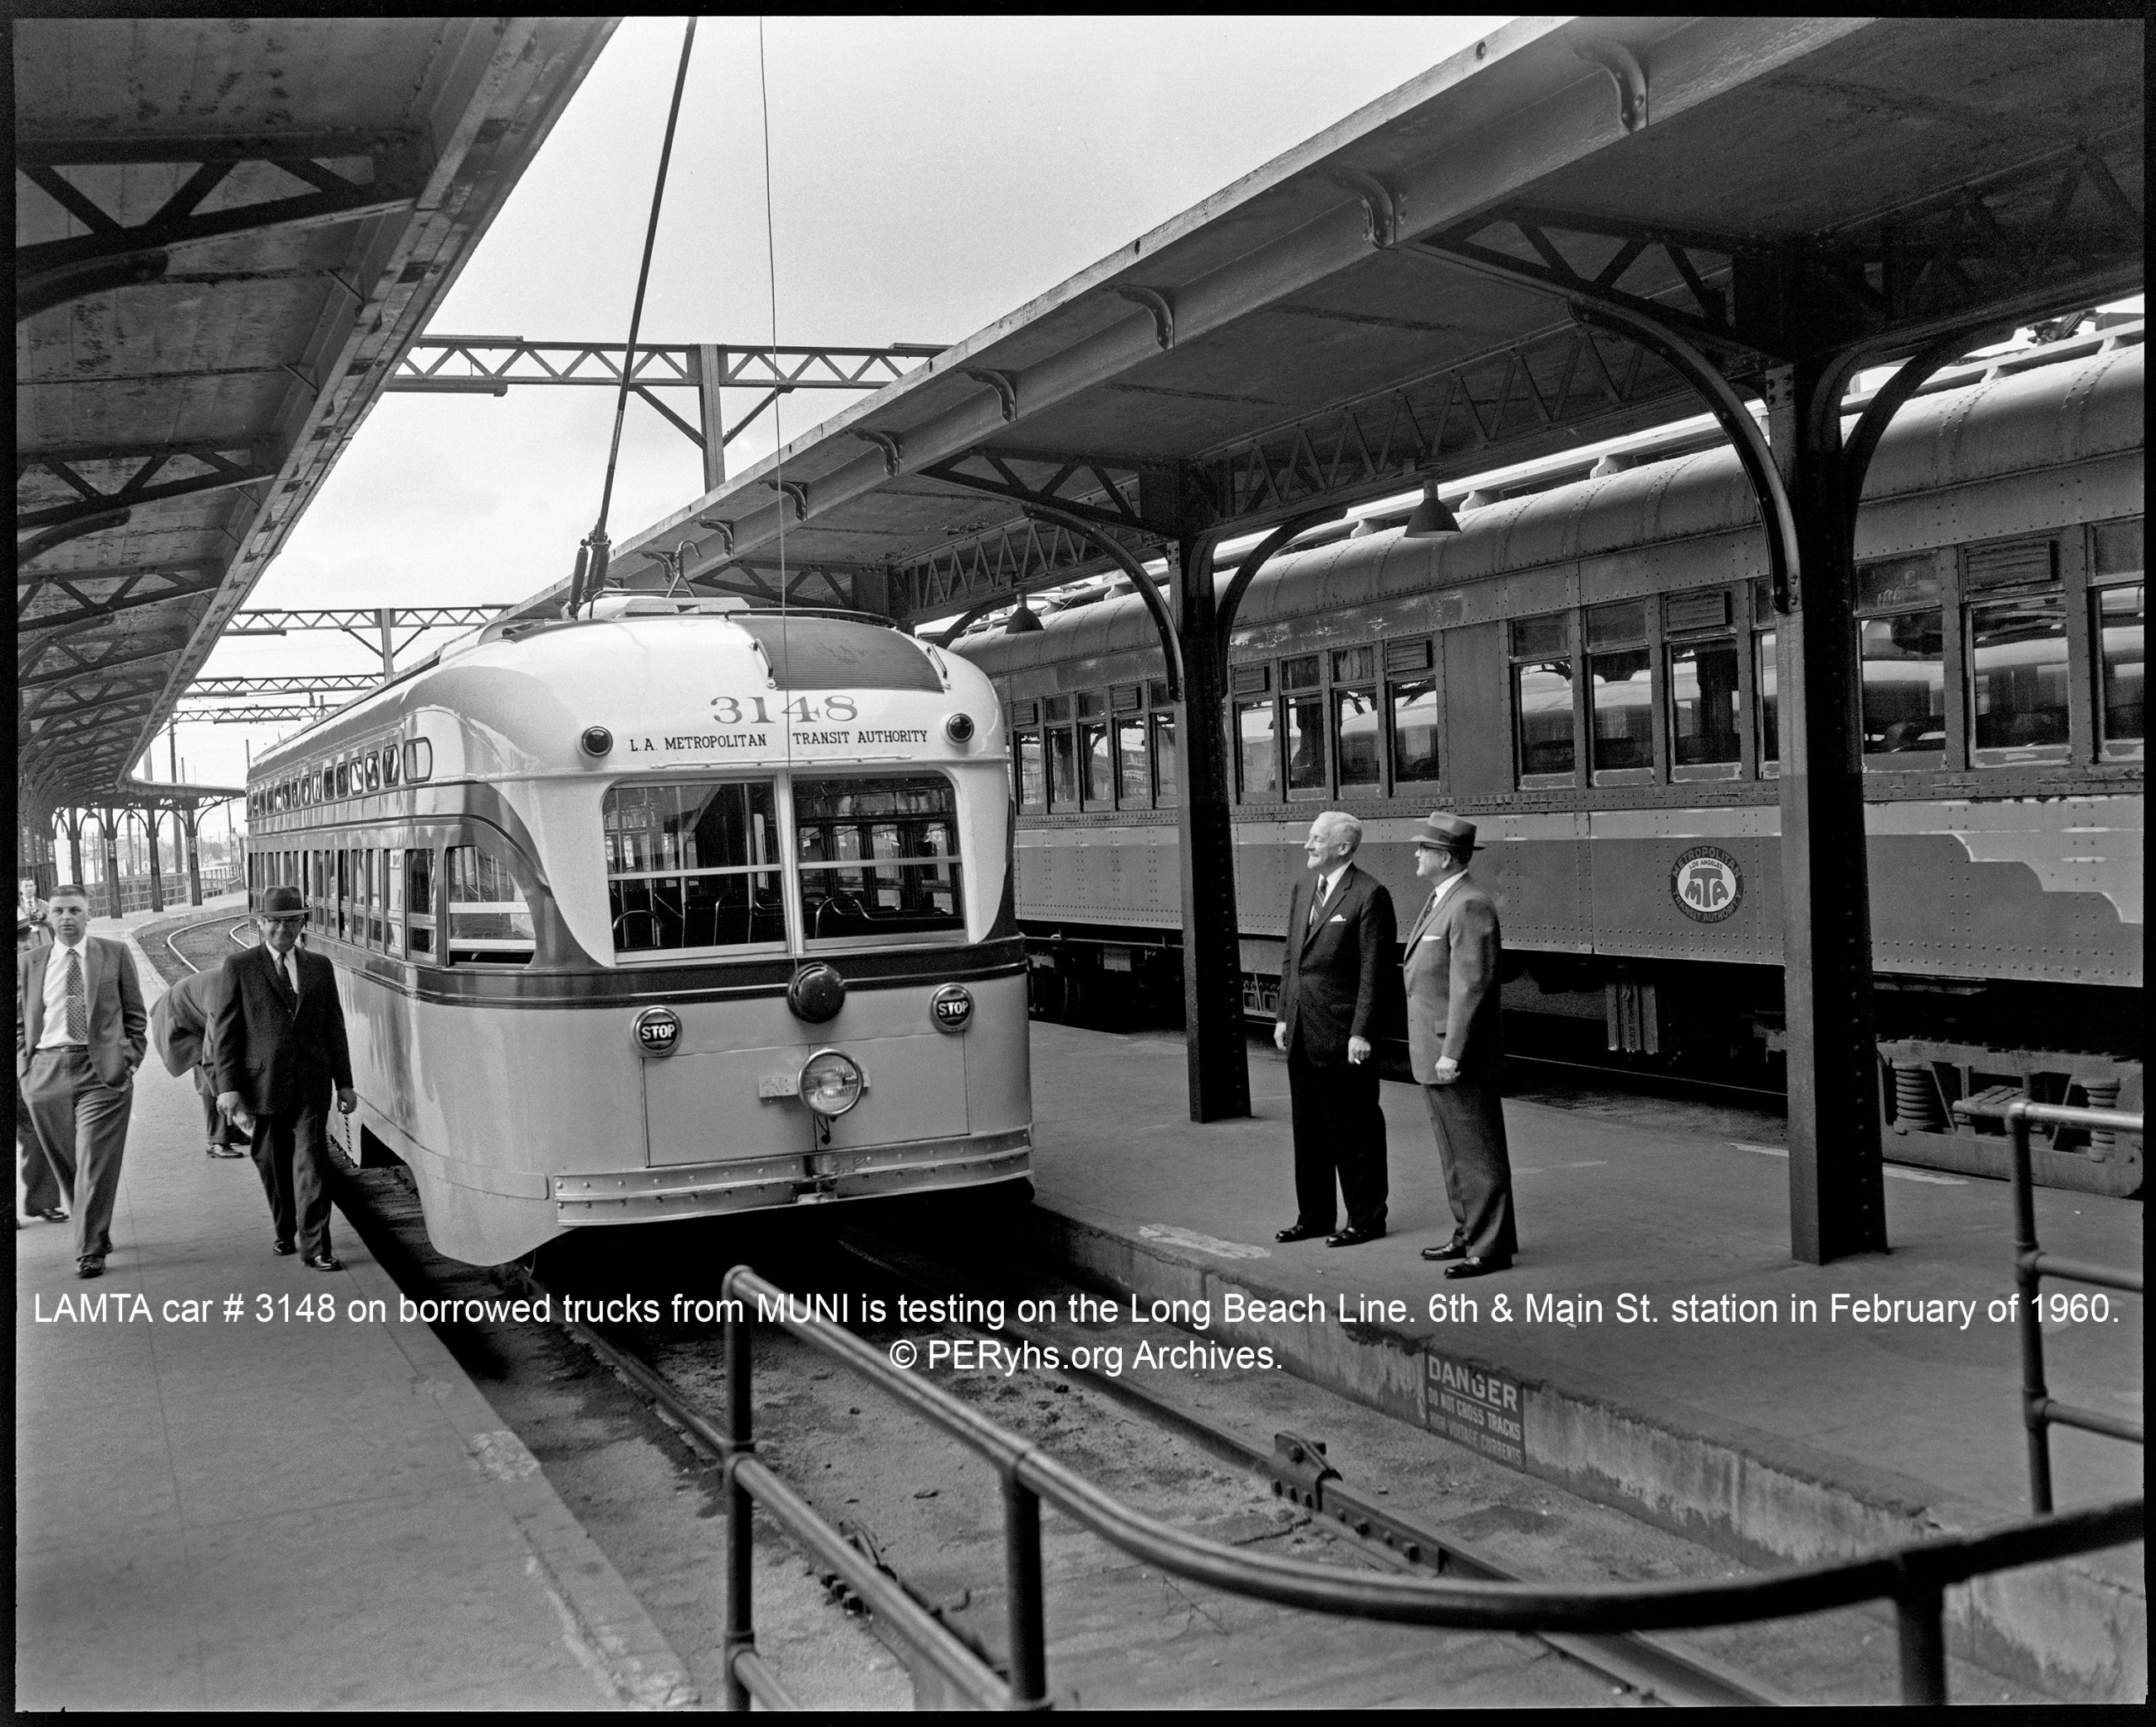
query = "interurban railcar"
x=672 y=910
x=1587 y=669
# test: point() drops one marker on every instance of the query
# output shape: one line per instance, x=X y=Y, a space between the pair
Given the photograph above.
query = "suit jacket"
x=179 y=1024
x=1330 y=983
x=277 y=1053
x=118 y=1027
x=1450 y=971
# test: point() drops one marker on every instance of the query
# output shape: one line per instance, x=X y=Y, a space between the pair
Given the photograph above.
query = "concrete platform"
x=280 y=1513
x=1776 y=1439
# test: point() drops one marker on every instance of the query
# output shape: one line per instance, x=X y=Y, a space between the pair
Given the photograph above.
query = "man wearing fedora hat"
x=1456 y=1048
x=279 y=1037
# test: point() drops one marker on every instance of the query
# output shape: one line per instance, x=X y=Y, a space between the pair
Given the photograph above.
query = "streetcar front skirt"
x=748 y=1184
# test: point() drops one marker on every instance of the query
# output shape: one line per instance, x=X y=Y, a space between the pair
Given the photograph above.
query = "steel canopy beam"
x=142 y=486
x=114 y=253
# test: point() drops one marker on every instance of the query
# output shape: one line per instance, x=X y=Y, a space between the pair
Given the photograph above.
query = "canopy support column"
x=190 y=824
x=110 y=830
x=1837 y=1204
x=149 y=827
x=1212 y=952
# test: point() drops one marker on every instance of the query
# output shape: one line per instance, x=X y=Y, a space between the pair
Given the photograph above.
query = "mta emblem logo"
x=1707 y=884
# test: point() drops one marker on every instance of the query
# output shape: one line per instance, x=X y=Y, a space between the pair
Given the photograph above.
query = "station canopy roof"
x=1411 y=295
x=228 y=231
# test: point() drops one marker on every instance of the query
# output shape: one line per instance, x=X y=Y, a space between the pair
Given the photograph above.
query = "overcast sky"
x=927 y=176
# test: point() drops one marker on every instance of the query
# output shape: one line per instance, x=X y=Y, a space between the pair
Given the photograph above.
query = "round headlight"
x=596 y=740
x=959 y=728
x=830 y=1083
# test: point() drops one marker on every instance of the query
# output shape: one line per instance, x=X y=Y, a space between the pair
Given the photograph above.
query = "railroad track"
x=1194 y=1454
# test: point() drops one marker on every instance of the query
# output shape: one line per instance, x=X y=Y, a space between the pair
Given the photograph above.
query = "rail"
x=2039 y=1411
x=1914 y=1577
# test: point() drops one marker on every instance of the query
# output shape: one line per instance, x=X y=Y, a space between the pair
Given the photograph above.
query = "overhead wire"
x=592 y=555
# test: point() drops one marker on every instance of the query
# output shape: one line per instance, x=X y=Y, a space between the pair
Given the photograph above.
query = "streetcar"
x=671 y=910
x=1587 y=671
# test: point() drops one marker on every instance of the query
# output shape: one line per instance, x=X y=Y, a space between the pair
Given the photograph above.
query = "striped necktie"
x=78 y=1001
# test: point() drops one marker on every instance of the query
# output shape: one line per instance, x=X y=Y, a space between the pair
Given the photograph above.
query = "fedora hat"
x=1447 y=833
x=282 y=901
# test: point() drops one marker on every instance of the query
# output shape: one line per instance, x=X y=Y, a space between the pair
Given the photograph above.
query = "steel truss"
x=145 y=473
x=286 y=182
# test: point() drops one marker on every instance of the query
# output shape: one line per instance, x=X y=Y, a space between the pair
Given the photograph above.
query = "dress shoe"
x=224 y=1151
x=91 y=1264
x=1454 y=1249
x=1296 y=1232
x=51 y=1214
x=324 y=1262
x=1477 y=1268
x=283 y=1250
x=1355 y=1237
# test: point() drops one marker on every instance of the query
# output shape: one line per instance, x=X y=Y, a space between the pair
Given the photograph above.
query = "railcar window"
x=389 y=765
x=2017 y=675
x=1099 y=767
x=1132 y=775
x=376 y=896
x=1165 y=793
x=489 y=924
x=419 y=900
x=1305 y=738
x=1542 y=697
x=1258 y=756
x=1703 y=702
x=1770 y=738
x=2120 y=609
x=1062 y=769
x=1902 y=660
x=693 y=865
x=2121 y=619
x=1621 y=687
x=1411 y=693
x=1032 y=772
x=419 y=761
x=878 y=856
x=374 y=772
x=1355 y=736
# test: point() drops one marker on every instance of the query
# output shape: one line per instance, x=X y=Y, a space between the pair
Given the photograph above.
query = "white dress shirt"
x=1328 y=883
x=1437 y=899
x=54 y=1036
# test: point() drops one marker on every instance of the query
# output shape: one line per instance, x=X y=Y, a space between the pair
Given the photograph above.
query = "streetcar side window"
x=392 y=881
x=1164 y=754
x=1700 y=667
x=1256 y=739
x=878 y=856
x=1033 y=773
x=419 y=760
x=489 y=924
x=419 y=899
x=694 y=866
x=1133 y=777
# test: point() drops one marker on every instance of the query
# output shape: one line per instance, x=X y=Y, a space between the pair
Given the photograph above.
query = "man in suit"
x=41 y=1188
x=1339 y=937
x=80 y=1033
x=179 y=1030
x=277 y=1038
x=1456 y=1049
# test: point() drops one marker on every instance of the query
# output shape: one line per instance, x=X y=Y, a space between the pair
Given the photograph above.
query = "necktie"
x=1317 y=900
x=290 y=966
x=78 y=1002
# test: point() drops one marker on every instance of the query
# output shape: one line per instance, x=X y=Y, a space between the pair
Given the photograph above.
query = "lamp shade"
x=1432 y=516
x=1022 y=620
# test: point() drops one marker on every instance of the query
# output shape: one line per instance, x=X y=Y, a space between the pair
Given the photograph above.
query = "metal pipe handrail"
x=1914 y=1577
x=2040 y=1412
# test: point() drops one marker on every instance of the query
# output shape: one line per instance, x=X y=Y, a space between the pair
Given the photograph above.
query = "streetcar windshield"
x=700 y=866
x=878 y=856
